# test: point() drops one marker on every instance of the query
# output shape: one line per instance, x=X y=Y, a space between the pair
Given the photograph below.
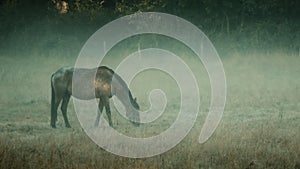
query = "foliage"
x=37 y=26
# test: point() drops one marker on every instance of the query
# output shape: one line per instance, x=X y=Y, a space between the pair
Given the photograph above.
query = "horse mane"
x=119 y=79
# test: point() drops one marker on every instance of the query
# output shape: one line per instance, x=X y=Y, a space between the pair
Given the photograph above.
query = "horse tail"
x=53 y=118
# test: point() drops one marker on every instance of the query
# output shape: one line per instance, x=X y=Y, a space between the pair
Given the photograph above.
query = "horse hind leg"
x=64 y=107
x=100 y=109
x=56 y=99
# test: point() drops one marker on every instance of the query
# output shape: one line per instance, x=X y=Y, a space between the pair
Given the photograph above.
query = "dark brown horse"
x=101 y=82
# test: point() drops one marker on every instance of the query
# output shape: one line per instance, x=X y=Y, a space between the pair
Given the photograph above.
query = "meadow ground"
x=259 y=129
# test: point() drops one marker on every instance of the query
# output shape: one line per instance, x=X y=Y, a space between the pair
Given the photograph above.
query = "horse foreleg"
x=108 y=113
x=64 y=107
x=100 y=109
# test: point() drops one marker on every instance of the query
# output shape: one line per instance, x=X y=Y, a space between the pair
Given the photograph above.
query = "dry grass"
x=260 y=127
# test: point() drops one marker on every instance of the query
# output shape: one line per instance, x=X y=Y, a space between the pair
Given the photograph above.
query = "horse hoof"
x=53 y=126
x=136 y=124
x=68 y=126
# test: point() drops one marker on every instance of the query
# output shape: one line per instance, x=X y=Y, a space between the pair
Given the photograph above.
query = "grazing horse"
x=101 y=82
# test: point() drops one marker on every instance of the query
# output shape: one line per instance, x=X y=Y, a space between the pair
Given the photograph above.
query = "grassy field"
x=260 y=126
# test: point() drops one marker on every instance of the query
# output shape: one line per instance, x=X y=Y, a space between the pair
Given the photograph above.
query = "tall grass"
x=259 y=128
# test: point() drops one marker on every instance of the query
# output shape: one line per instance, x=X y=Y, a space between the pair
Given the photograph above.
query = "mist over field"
x=258 y=44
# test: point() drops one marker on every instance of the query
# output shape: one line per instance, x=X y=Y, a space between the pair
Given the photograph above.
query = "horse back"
x=91 y=83
x=87 y=84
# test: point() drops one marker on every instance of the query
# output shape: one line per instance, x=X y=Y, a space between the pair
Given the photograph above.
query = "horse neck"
x=123 y=93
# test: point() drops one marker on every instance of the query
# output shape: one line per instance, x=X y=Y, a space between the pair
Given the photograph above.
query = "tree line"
x=50 y=24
